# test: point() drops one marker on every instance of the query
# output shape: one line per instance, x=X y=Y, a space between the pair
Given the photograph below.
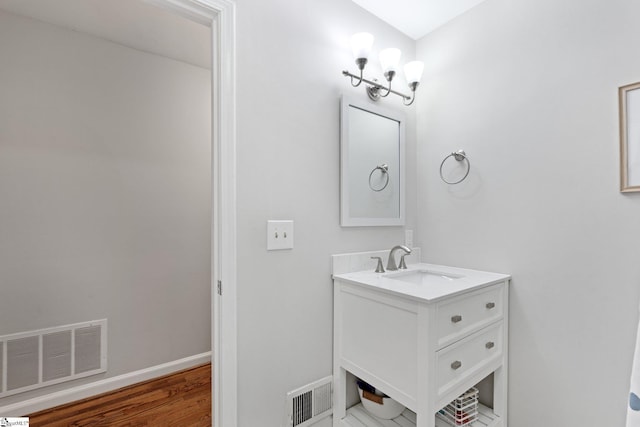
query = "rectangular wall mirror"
x=372 y=184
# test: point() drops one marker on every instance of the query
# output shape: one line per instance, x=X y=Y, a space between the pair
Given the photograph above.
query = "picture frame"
x=629 y=106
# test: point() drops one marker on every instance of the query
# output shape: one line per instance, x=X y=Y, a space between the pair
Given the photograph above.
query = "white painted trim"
x=103 y=386
x=225 y=306
x=193 y=10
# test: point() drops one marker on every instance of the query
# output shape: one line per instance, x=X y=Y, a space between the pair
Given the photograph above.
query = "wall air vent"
x=302 y=408
x=308 y=404
x=35 y=359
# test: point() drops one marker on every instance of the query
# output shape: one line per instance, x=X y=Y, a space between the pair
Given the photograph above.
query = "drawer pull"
x=457 y=318
x=456 y=365
x=490 y=345
x=490 y=305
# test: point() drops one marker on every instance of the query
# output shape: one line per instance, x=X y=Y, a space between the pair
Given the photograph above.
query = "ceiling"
x=416 y=18
x=136 y=24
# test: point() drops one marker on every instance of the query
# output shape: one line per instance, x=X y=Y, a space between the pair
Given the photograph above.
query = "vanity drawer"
x=458 y=317
x=465 y=358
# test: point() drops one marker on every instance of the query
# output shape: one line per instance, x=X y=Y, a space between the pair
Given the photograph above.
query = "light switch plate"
x=279 y=235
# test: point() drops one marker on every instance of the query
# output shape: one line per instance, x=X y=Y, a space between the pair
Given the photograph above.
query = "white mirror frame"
x=346 y=218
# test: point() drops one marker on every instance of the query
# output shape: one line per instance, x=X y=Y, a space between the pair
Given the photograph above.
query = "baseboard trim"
x=72 y=394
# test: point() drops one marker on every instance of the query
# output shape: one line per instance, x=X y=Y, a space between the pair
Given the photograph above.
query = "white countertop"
x=442 y=281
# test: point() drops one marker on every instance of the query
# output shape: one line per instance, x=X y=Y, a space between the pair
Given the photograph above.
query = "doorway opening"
x=106 y=240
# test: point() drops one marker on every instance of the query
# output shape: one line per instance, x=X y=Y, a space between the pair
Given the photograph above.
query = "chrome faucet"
x=391 y=264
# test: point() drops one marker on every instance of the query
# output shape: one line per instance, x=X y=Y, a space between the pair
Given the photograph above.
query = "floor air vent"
x=310 y=403
x=34 y=359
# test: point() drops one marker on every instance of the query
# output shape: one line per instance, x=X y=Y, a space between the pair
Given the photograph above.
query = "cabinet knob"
x=490 y=305
x=490 y=345
x=457 y=318
x=456 y=365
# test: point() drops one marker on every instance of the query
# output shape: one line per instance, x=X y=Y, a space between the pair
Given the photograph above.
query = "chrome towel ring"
x=384 y=168
x=459 y=155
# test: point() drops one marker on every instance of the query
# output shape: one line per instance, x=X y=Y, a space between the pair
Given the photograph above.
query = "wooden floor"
x=181 y=399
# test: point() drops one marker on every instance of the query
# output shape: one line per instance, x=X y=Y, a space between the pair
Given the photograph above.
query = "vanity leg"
x=339 y=373
x=500 y=393
x=425 y=411
x=339 y=396
x=500 y=377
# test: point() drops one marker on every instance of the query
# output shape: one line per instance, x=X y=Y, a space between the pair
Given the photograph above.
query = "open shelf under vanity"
x=357 y=416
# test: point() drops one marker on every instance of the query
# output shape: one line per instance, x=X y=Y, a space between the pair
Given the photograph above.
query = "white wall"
x=290 y=57
x=105 y=190
x=529 y=89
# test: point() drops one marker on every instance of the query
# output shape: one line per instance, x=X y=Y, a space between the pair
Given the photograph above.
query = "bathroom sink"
x=423 y=277
x=422 y=281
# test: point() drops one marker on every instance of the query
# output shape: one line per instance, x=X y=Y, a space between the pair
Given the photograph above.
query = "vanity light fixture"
x=361 y=44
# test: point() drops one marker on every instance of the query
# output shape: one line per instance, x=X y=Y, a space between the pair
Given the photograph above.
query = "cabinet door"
x=378 y=342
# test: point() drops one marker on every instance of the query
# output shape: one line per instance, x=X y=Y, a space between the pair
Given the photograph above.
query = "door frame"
x=219 y=15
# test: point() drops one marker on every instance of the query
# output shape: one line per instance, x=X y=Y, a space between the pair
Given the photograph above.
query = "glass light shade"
x=413 y=71
x=361 y=44
x=389 y=59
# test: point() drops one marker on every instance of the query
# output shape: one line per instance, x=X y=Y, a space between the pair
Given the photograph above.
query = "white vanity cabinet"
x=423 y=336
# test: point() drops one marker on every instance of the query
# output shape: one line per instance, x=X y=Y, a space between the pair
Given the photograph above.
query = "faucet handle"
x=379 y=267
x=403 y=265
